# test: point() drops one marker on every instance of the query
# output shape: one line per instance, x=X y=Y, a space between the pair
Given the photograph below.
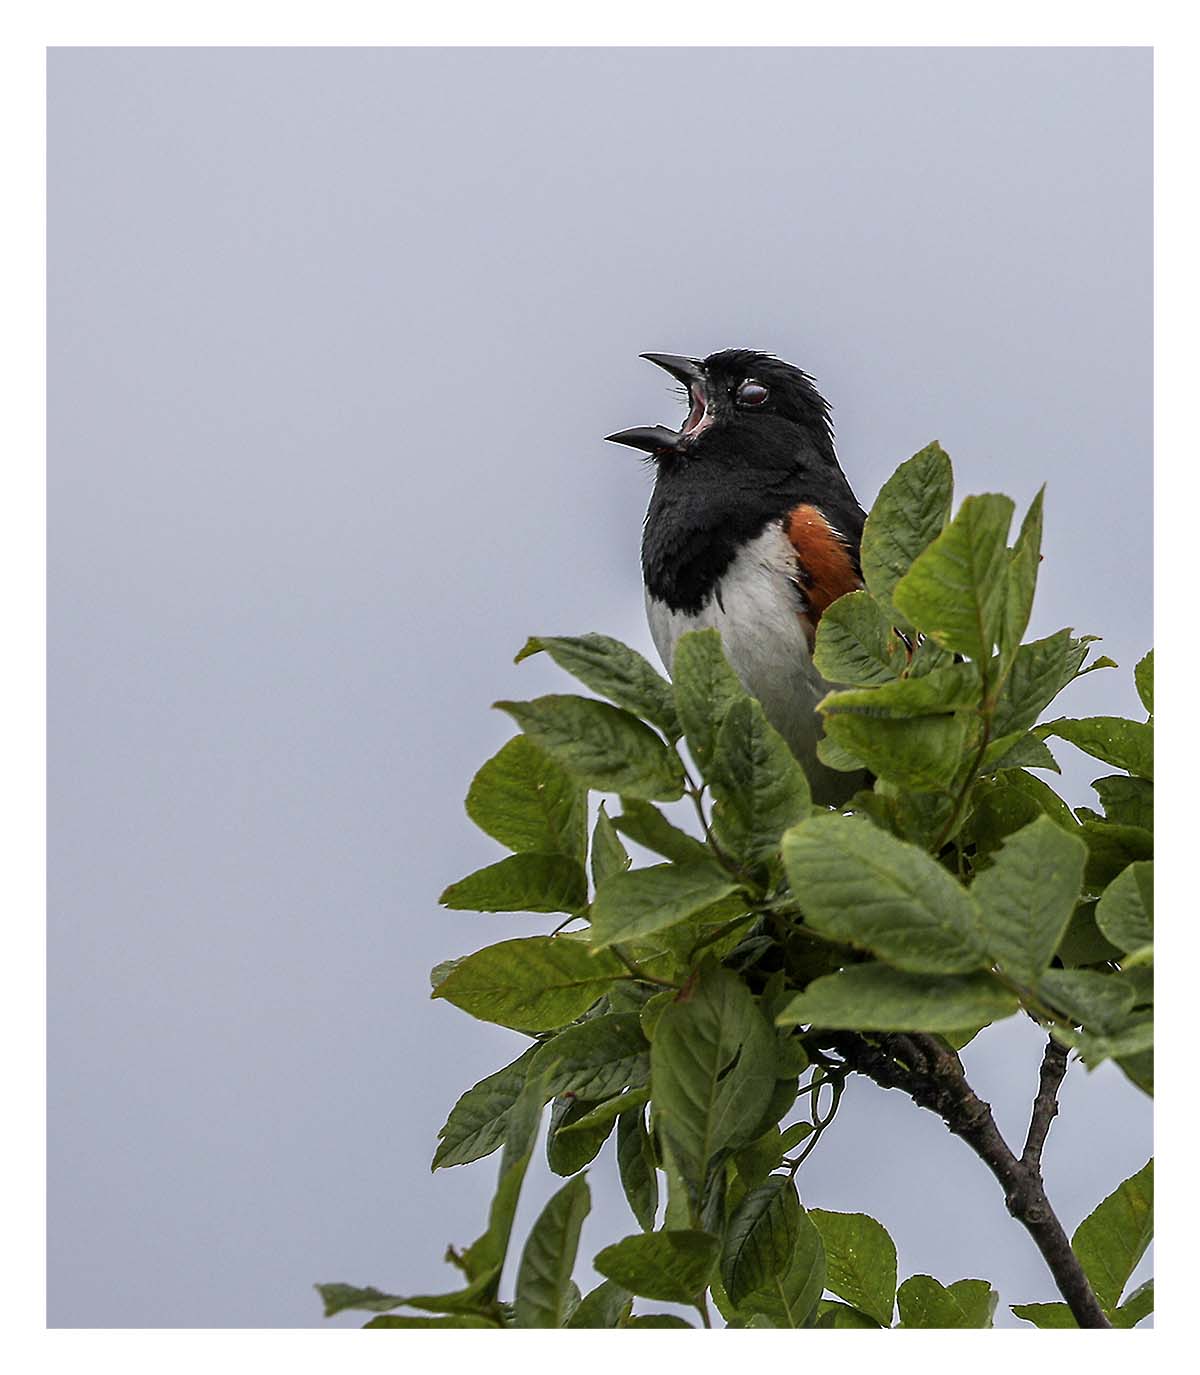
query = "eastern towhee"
x=752 y=529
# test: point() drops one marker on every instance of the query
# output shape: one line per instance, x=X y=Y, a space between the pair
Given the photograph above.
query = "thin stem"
x=638 y=972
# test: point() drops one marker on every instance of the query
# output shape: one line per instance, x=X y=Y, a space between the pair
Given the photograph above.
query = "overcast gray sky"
x=334 y=337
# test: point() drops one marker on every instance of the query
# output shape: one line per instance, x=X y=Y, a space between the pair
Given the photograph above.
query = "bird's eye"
x=751 y=394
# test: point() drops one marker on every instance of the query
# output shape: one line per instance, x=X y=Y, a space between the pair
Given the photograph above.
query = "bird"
x=752 y=529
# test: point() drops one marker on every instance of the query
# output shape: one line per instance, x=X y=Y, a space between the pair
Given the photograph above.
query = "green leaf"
x=856 y=645
x=673 y=1266
x=1040 y=670
x=1143 y=678
x=609 y=856
x=922 y=753
x=1111 y=849
x=525 y=882
x=760 y=1238
x=790 y=1298
x=1139 y=1305
x=1094 y=1000
x=1022 y=577
x=873 y=997
x=712 y=1070
x=635 y=1165
x=1027 y=895
x=645 y=824
x=956 y=591
x=759 y=787
x=1138 y=1068
x=1048 y=1315
x=705 y=688
x=606 y=1306
x=860 y=885
x=860 y=1260
x=453 y=1320
x=923 y=1302
x=614 y=671
x=1082 y=942
x=603 y=746
x=544 y=1277
x=657 y=1320
x=1018 y=750
x=1111 y=1240
x=601 y=1114
x=1124 y=744
x=536 y=983
x=338 y=1298
x=1127 y=801
x=570 y=1145
x=841 y=1315
x=953 y=688
x=477 y=1122
x=632 y=905
x=596 y=1058
x=1125 y=912
x=908 y=515
x=756 y=1161
x=526 y=801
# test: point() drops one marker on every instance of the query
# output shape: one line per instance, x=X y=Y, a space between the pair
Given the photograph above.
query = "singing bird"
x=752 y=529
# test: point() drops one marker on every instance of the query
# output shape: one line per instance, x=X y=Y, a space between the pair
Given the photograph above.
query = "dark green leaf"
x=712 y=1070
x=537 y=983
x=909 y=513
x=453 y=1320
x=860 y=1261
x=673 y=1266
x=603 y=746
x=956 y=590
x=606 y=1306
x=705 y=688
x=1093 y=1000
x=1127 y=801
x=862 y=886
x=1018 y=750
x=544 y=1277
x=614 y=671
x=1022 y=577
x=645 y=824
x=760 y=1238
x=338 y=1298
x=1124 y=744
x=760 y=789
x=1040 y=671
x=570 y=1145
x=790 y=1299
x=1125 y=912
x=525 y=882
x=596 y=1058
x=1082 y=942
x=601 y=1114
x=1143 y=678
x=922 y=753
x=1111 y=1240
x=609 y=856
x=635 y=1164
x=671 y=1320
x=1027 y=895
x=1138 y=1068
x=478 y=1121
x=842 y=1315
x=856 y=645
x=632 y=905
x=756 y=1161
x=1047 y=1315
x=874 y=997
x=1111 y=849
x=526 y=801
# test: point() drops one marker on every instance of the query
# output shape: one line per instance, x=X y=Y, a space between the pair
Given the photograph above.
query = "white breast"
x=757 y=610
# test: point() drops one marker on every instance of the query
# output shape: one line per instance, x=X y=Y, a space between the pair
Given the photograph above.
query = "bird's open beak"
x=658 y=438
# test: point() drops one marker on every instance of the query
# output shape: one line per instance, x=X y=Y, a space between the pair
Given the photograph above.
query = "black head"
x=747 y=409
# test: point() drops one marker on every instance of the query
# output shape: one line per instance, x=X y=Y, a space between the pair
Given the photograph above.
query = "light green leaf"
x=842 y=1315
x=1139 y=1305
x=759 y=787
x=953 y=688
x=537 y=983
x=1018 y=750
x=1124 y=744
x=860 y=1261
x=525 y=882
x=874 y=997
x=339 y=1298
x=956 y=591
x=923 y=753
x=760 y=1238
x=791 y=1296
x=632 y=905
x=673 y=1266
x=1096 y=1001
x=644 y=823
x=609 y=856
x=635 y=1165
x=1125 y=912
x=603 y=746
x=1143 y=678
x=525 y=800
x=923 y=1302
x=705 y=688
x=477 y=1122
x=615 y=671
x=1047 y=1315
x=712 y=1070
x=908 y=515
x=977 y=1299
x=1040 y=670
x=1111 y=1240
x=606 y=1306
x=860 y=885
x=596 y=1058
x=453 y=1320
x=1022 y=577
x=856 y=645
x=544 y=1277
x=1027 y=895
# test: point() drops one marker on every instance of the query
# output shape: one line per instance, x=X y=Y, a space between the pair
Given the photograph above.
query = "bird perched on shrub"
x=752 y=529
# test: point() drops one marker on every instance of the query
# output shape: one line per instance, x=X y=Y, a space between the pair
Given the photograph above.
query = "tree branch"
x=940 y=1085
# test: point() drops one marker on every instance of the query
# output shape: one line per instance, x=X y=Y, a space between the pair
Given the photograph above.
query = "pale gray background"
x=334 y=336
